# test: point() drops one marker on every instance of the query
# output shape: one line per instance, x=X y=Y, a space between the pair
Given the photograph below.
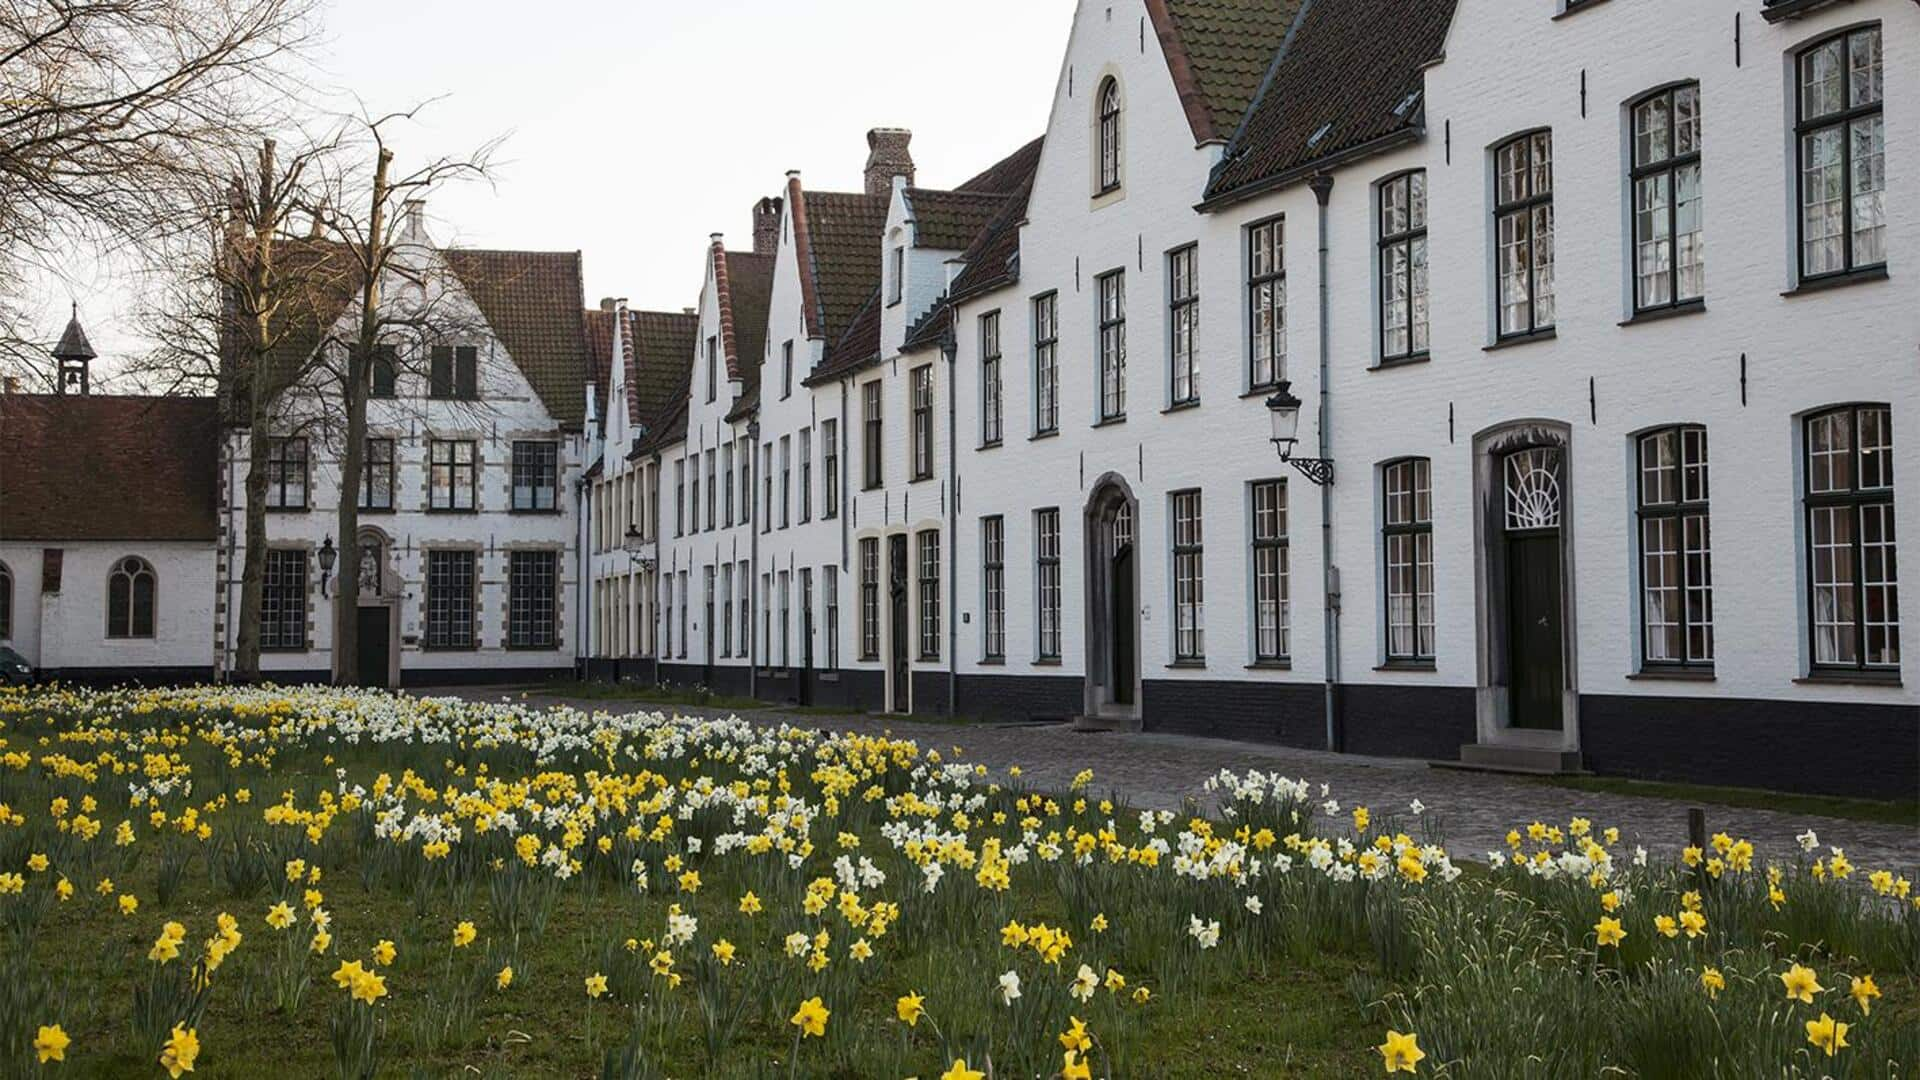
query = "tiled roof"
x=838 y=233
x=663 y=345
x=750 y=290
x=302 y=318
x=1304 y=118
x=1219 y=52
x=532 y=302
x=97 y=467
x=925 y=334
x=599 y=330
x=663 y=430
x=1010 y=173
x=991 y=259
x=949 y=220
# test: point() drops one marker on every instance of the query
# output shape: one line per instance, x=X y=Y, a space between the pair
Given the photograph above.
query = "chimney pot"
x=888 y=157
x=606 y=303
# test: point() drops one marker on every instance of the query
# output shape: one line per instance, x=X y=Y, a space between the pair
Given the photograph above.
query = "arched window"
x=1523 y=232
x=1403 y=266
x=130 y=590
x=1109 y=135
x=6 y=602
x=1842 y=139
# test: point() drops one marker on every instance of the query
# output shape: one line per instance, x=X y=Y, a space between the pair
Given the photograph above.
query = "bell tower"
x=72 y=356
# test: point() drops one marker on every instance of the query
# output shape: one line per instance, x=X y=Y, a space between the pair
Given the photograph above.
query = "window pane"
x=1651 y=131
x=1864 y=85
x=1830 y=530
x=1822 y=209
x=1867 y=155
x=1820 y=80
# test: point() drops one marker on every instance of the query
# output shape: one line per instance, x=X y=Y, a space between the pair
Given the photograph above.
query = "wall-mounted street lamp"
x=1284 y=409
x=327 y=555
x=633 y=544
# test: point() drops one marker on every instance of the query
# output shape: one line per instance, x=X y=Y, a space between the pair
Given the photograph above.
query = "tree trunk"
x=246 y=659
x=262 y=392
x=346 y=602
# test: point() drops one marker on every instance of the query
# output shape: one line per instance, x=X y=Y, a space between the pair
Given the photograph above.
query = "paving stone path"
x=1471 y=810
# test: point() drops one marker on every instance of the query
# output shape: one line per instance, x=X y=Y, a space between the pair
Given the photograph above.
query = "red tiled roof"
x=1304 y=118
x=98 y=467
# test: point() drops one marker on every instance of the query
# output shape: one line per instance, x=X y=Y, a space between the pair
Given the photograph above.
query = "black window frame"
x=830 y=595
x=1413 y=527
x=1046 y=363
x=786 y=481
x=786 y=370
x=383 y=375
x=533 y=599
x=283 y=600
x=1268 y=280
x=1670 y=166
x=6 y=602
x=830 y=467
x=533 y=459
x=451 y=578
x=1109 y=107
x=1110 y=345
x=1270 y=544
x=1183 y=325
x=378 y=461
x=920 y=421
x=927 y=582
x=680 y=496
x=804 y=449
x=453 y=373
x=1858 y=498
x=1524 y=207
x=869 y=598
x=1405 y=242
x=726 y=483
x=872 y=420
x=713 y=487
x=133 y=599
x=993 y=588
x=1844 y=118
x=1676 y=493
x=283 y=463
x=713 y=368
x=992 y=418
x=1047 y=584
x=1187 y=535
x=452 y=468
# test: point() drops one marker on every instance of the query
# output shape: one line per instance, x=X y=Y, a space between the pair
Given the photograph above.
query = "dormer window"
x=896 y=272
x=1109 y=135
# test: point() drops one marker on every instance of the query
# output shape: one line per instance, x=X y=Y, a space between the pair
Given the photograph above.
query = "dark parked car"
x=14 y=669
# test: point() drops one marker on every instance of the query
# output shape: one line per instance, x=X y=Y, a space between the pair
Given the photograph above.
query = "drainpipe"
x=753 y=555
x=948 y=349
x=582 y=579
x=655 y=620
x=1322 y=186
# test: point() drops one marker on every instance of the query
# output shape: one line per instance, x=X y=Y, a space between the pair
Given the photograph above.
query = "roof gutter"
x=1372 y=147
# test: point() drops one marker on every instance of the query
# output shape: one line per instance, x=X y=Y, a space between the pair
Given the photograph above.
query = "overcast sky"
x=635 y=127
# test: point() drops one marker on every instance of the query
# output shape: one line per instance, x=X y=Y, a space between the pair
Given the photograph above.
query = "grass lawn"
x=1891 y=812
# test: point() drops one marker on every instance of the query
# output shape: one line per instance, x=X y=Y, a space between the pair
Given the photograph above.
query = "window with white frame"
x=993 y=588
x=1189 y=579
x=450 y=586
x=1854 y=602
x=1523 y=233
x=1842 y=140
x=1046 y=369
x=990 y=379
x=1183 y=326
x=1266 y=303
x=1272 y=585
x=377 y=474
x=283 y=600
x=1403 y=266
x=536 y=475
x=1113 y=345
x=1669 y=245
x=1046 y=577
x=533 y=597
x=1407 y=550
x=1676 y=549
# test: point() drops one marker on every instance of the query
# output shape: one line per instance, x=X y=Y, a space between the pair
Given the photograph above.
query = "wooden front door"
x=1120 y=613
x=898 y=627
x=1534 y=629
x=374 y=644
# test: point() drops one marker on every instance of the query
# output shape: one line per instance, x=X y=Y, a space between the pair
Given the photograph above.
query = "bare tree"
x=382 y=245
x=113 y=111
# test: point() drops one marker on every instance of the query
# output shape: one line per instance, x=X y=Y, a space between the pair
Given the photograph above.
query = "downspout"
x=753 y=556
x=583 y=586
x=948 y=347
x=227 y=643
x=1322 y=186
x=846 y=470
x=655 y=528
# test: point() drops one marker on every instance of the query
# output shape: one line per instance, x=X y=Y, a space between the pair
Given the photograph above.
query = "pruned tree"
x=366 y=215
x=112 y=113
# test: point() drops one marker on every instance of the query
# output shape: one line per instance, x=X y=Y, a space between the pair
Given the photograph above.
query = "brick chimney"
x=766 y=225
x=887 y=157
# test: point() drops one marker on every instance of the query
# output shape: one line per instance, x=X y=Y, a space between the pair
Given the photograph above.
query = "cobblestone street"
x=1473 y=810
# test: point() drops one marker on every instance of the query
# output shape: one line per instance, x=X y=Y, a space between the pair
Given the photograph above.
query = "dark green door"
x=373 y=646
x=1120 y=611
x=1534 y=628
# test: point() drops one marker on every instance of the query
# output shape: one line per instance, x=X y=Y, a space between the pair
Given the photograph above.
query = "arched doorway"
x=377 y=613
x=1112 y=579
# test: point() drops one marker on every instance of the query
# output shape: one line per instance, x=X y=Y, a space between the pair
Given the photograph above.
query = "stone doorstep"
x=1105 y=723
x=1528 y=760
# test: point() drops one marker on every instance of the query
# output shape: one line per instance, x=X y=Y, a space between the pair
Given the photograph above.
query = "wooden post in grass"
x=1697 y=837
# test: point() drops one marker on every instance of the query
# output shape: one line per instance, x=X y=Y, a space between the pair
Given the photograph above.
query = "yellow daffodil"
x=909 y=1008
x=1863 y=992
x=596 y=985
x=1075 y=1037
x=50 y=1043
x=463 y=935
x=384 y=953
x=1827 y=1034
x=959 y=1071
x=1713 y=982
x=1801 y=984
x=1401 y=1053
x=749 y=904
x=1074 y=1067
x=504 y=979
x=723 y=951
x=1608 y=932
x=811 y=1018
x=181 y=1048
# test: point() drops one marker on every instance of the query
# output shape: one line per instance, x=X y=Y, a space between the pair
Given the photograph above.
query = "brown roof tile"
x=842 y=249
x=949 y=220
x=663 y=360
x=750 y=289
x=1351 y=75
x=1219 y=52
x=101 y=467
x=532 y=302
